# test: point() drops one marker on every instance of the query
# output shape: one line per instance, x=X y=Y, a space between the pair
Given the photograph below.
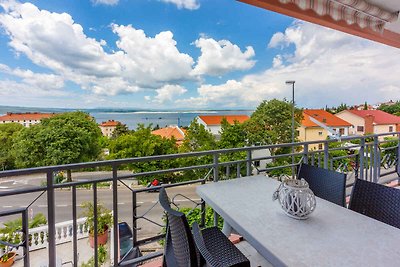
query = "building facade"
x=213 y=122
x=170 y=132
x=26 y=119
x=311 y=128
x=108 y=127
x=370 y=121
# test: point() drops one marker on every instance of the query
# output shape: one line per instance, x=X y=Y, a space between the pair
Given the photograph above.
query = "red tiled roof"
x=171 y=131
x=217 y=119
x=324 y=117
x=109 y=123
x=381 y=117
x=25 y=116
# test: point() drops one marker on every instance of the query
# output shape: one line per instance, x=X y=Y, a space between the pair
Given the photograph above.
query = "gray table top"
x=331 y=236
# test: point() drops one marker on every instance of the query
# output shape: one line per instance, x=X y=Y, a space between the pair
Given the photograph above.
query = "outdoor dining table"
x=331 y=236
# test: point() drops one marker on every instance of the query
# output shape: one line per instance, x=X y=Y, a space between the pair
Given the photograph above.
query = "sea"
x=132 y=117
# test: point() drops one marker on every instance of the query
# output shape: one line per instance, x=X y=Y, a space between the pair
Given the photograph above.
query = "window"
x=319 y=133
x=341 y=131
x=390 y=129
x=360 y=128
x=319 y=146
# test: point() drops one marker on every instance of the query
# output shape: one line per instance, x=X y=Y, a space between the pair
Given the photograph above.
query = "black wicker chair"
x=326 y=184
x=376 y=201
x=181 y=250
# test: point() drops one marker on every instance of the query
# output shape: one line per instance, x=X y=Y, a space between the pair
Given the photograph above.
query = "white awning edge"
x=357 y=12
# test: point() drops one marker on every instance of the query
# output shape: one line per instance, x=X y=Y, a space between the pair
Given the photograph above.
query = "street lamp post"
x=292 y=83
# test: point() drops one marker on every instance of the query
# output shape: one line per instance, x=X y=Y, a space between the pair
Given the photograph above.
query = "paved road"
x=63 y=202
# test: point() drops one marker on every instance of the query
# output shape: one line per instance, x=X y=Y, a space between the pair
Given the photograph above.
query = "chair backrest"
x=326 y=184
x=376 y=201
x=179 y=240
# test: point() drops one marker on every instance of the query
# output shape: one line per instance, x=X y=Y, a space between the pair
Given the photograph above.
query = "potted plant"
x=9 y=235
x=104 y=219
x=7 y=259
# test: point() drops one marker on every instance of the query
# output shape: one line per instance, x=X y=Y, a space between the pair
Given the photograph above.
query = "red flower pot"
x=101 y=238
x=10 y=261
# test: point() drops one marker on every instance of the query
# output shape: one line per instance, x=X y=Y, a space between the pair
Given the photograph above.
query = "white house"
x=370 y=121
x=213 y=122
x=26 y=119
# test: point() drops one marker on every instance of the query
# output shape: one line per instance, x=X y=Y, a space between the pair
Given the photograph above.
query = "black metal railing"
x=365 y=157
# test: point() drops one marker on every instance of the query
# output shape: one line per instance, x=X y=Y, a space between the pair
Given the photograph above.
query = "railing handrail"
x=118 y=162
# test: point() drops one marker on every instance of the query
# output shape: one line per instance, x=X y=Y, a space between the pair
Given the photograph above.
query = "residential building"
x=362 y=107
x=108 y=127
x=26 y=119
x=213 y=122
x=171 y=131
x=318 y=124
x=370 y=121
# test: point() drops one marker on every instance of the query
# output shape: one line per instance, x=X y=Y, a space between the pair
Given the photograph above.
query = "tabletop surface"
x=331 y=236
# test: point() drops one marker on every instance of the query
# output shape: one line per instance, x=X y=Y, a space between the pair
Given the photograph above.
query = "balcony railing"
x=367 y=157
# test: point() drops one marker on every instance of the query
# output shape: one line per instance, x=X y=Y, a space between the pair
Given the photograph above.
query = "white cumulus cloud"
x=220 y=57
x=168 y=93
x=328 y=66
x=43 y=81
x=184 y=4
x=55 y=41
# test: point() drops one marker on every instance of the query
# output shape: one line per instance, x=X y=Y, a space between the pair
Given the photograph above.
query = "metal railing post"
x=134 y=218
x=25 y=231
x=305 y=154
x=95 y=225
x=51 y=220
x=361 y=155
x=326 y=155
x=248 y=163
x=74 y=227
x=376 y=159
x=115 y=214
x=398 y=158
x=293 y=161
x=203 y=210
x=215 y=168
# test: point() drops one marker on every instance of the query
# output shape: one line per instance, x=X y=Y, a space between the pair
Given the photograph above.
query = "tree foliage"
x=8 y=132
x=142 y=143
x=271 y=123
x=198 y=138
x=392 y=109
x=120 y=129
x=66 y=138
x=232 y=135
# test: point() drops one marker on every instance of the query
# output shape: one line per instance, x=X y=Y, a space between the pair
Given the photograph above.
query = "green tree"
x=66 y=138
x=232 y=136
x=365 y=106
x=120 y=129
x=341 y=107
x=198 y=138
x=142 y=143
x=392 y=109
x=271 y=123
x=8 y=132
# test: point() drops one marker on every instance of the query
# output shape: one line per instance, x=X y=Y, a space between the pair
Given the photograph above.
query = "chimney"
x=369 y=124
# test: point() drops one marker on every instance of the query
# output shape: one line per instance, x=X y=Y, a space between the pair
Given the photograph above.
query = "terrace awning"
x=377 y=20
x=351 y=11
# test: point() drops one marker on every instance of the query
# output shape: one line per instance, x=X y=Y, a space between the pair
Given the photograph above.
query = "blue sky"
x=190 y=54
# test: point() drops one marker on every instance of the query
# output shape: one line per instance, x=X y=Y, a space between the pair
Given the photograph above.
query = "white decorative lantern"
x=296 y=198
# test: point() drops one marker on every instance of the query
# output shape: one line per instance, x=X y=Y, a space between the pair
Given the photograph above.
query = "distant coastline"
x=132 y=117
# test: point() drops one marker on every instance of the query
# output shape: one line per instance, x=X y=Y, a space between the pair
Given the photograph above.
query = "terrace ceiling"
x=387 y=33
